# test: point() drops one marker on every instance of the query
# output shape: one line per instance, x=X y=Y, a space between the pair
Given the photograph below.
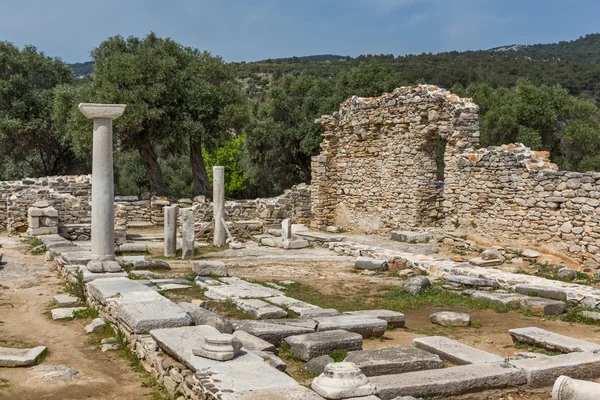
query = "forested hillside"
x=189 y=110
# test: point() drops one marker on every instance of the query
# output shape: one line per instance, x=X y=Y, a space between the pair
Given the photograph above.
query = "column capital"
x=108 y=111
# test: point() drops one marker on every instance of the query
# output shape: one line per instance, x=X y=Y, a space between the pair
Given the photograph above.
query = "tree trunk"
x=201 y=183
x=150 y=160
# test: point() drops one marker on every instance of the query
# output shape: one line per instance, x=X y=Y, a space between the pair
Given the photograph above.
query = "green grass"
x=338 y=355
x=4 y=383
x=88 y=313
x=533 y=349
x=228 y=309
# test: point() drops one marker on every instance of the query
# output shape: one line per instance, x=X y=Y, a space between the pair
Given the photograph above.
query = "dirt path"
x=28 y=284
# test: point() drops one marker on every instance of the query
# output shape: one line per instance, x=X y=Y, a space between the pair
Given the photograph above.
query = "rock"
x=368 y=263
x=65 y=300
x=552 y=341
x=541 y=372
x=241 y=291
x=449 y=318
x=210 y=267
x=290 y=244
x=140 y=262
x=52 y=374
x=317 y=365
x=318 y=312
x=498 y=299
x=251 y=342
x=406 y=273
x=311 y=345
x=10 y=357
x=290 y=303
x=455 y=352
x=527 y=253
x=341 y=381
x=365 y=325
x=416 y=285
x=394 y=360
x=567 y=273
x=65 y=313
x=492 y=254
x=549 y=292
x=282 y=393
x=452 y=381
x=94 y=326
x=593 y=315
x=202 y=316
x=541 y=306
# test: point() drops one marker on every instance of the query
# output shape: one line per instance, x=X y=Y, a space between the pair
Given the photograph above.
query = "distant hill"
x=82 y=69
x=314 y=58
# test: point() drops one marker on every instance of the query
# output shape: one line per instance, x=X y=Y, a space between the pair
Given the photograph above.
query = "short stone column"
x=170 y=230
x=342 y=381
x=219 y=205
x=286 y=228
x=103 y=193
x=187 y=233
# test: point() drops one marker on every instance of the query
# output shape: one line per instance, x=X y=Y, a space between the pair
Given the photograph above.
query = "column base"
x=104 y=266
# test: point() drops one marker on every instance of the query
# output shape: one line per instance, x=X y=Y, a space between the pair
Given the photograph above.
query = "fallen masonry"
x=311 y=345
x=394 y=360
x=365 y=325
x=10 y=357
x=542 y=372
x=455 y=352
x=552 y=341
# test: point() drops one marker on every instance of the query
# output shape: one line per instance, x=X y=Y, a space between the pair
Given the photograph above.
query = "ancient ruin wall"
x=377 y=166
x=376 y=169
x=71 y=196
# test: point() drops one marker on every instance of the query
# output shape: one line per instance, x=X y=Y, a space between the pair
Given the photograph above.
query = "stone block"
x=416 y=285
x=210 y=267
x=411 y=236
x=455 y=352
x=317 y=365
x=202 y=316
x=10 y=357
x=297 y=306
x=43 y=230
x=271 y=359
x=251 y=342
x=142 y=317
x=552 y=341
x=394 y=360
x=271 y=332
x=94 y=326
x=260 y=309
x=544 y=371
x=50 y=212
x=480 y=262
x=133 y=248
x=393 y=318
x=287 y=393
x=241 y=291
x=498 y=299
x=537 y=305
x=365 y=325
x=34 y=212
x=451 y=381
x=311 y=345
x=368 y=263
x=64 y=313
x=103 y=289
x=65 y=300
x=141 y=262
x=318 y=312
x=286 y=228
x=470 y=281
x=80 y=257
x=548 y=292
x=291 y=244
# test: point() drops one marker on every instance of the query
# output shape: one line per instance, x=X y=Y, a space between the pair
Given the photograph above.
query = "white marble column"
x=219 y=205
x=170 y=230
x=103 y=194
x=187 y=233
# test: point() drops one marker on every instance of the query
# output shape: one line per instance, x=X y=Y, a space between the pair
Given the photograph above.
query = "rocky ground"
x=28 y=285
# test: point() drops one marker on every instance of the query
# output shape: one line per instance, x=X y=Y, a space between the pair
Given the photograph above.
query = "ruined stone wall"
x=376 y=172
x=513 y=193
x=377 y=166
x=71 y=197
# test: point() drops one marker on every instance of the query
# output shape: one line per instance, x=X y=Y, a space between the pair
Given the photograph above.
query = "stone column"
x=219 y=205
x=187 y=246
x=170 y=231
x=286 y=228
x=566 y=388
x=103 y=193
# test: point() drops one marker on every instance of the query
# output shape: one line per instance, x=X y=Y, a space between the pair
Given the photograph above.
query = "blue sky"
x=251 y=30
